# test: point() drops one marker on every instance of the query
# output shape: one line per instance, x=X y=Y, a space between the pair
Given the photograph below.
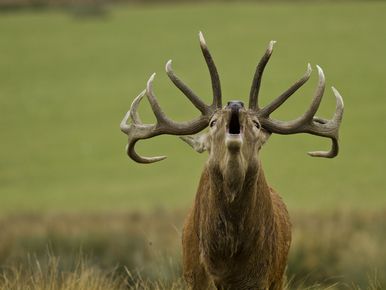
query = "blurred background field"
x=67 y=77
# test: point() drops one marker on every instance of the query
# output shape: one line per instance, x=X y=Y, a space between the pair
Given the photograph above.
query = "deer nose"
x=235 y=105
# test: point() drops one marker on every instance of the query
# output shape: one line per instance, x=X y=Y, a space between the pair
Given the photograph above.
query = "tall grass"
x=34 y=276
x=341 y=247
x=84 y=276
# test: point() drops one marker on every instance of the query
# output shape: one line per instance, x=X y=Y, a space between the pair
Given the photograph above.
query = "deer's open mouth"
x=234 y=132
x=234 y=127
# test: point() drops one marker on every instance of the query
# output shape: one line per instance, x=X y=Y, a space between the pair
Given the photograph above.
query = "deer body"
x=239 y=245
x=237 y=235
x=239 y=228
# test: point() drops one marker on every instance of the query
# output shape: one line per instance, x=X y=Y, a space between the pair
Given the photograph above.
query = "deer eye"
x=212 y=123
x=256 y=123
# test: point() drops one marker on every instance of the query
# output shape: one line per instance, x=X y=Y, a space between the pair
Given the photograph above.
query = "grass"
x=85 y=277
x=141 y=251
x=65 y=84
x=344 y=249
x=34 y=277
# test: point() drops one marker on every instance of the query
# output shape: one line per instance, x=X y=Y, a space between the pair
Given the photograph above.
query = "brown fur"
x=238 y=233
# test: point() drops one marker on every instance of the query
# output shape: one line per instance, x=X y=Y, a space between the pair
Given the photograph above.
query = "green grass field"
x=65 y=84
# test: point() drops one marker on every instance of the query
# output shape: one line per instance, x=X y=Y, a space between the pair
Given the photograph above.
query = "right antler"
x=308 y=122
x=137 y=130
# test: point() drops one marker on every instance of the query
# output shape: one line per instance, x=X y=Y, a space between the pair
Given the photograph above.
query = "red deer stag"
x=238 y=234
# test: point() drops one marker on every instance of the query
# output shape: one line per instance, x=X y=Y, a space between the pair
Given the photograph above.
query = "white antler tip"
x=271 y=44
x=137 y=100
x=270 y=47
x=202 y=39
x=151 y=79
x=168 y=66
x=325 y=154
x=320 y=73
x=155 y=159
x=338 y=96
x=309 y=70
x=149 y=84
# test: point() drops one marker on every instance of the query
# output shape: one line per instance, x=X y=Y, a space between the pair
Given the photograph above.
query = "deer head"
x=236 y=133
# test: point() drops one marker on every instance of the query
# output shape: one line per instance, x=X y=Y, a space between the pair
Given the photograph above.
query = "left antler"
x=137 y=130
x=308 y=122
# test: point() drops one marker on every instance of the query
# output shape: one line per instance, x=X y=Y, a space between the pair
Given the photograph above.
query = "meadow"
x=66 y=81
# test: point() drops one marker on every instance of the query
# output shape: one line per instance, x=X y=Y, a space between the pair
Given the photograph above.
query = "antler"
x=308 y=122
x=137 y=130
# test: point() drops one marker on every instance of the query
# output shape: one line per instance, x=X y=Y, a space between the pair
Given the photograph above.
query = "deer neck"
x=237 y=192
x=234 y=217
x=236 y=184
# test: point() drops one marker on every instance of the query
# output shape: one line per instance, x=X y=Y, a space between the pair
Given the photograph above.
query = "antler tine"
x=318 y=95
x=132 y=114
x=267 y=110
x=338 y=115
x=123 y=125
x=310 y=113
x=159 y=114
x=254 y=93
x=327 y=154
x=134 y=108
x=130 y=149
x=196 y=101
x=216 y=86
x=333 y=125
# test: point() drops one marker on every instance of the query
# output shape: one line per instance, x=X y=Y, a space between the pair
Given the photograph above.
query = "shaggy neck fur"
x=229 y=227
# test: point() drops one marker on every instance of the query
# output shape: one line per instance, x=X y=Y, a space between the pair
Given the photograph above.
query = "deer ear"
x=197 y=142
